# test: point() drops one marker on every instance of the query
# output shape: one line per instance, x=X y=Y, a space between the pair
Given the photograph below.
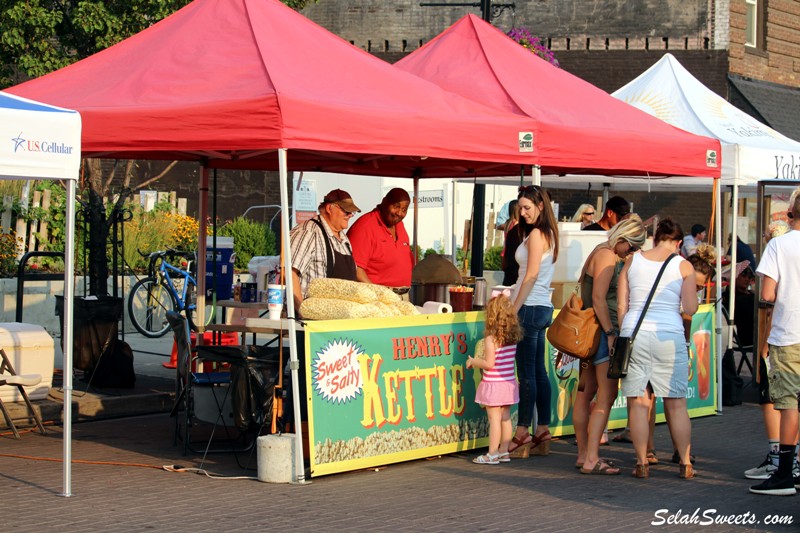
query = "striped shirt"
x=503 y=365
x=309 y=257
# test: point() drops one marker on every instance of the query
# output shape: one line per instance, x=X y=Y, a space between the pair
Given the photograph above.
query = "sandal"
x=686 y=472
x=487 y=459
x=504 y=457
x=651 y=457
x=520 y=448
x=641 y=471
x=605 y=460
x=540 y=445
x=601 y=468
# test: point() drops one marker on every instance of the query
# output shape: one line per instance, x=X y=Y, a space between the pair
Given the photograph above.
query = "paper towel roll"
x=435 y=307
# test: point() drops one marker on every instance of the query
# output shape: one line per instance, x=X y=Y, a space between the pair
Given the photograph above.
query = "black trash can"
x=95 y=328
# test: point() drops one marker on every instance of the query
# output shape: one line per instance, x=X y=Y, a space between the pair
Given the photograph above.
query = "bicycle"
x=166 y=288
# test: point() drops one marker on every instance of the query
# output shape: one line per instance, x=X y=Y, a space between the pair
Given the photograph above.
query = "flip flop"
x=609 y=462
x=516 y=443
x=602 y=468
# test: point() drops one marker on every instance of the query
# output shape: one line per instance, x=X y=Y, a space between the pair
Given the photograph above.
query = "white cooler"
x=31 y=350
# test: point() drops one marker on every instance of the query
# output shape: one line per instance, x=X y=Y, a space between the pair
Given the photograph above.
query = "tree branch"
x=156 y=178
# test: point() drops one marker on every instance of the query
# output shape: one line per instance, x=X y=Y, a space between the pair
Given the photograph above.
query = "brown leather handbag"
x=575 y=331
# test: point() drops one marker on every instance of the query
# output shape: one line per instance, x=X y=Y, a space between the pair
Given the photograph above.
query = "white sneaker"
x=762 y=471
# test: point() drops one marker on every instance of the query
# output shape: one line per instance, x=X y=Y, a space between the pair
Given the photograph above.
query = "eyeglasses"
x=348 y=214
x=587 y=213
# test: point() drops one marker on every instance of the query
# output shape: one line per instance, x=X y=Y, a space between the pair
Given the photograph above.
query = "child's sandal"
x=487 y=459
x=504 y=457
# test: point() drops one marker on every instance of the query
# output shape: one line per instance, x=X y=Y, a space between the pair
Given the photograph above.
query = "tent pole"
x=718 y=299
x=416 y=218
x=69 y=290
x=732 y=280
x=299 y=469
x=201 y=253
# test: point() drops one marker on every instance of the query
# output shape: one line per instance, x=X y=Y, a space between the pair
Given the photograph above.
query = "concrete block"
x=276 y=458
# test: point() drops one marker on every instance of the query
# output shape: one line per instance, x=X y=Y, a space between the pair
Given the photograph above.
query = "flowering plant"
x=528 y=40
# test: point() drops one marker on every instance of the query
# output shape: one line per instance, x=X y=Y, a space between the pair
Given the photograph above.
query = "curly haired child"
x=498 y=389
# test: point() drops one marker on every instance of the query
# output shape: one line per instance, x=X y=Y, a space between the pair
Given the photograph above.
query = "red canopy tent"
x=234 y=81
x=253 y=84
x=580 y=129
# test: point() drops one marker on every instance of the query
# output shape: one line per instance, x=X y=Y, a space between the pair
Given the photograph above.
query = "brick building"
x=748 y=51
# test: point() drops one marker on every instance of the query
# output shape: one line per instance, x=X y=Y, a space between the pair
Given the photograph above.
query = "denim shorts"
x=602 y=355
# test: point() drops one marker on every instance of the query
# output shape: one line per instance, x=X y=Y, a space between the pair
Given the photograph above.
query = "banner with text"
x=388 y=390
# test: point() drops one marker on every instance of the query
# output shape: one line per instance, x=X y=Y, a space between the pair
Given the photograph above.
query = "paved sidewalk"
x=449 y=493
x=443 y=494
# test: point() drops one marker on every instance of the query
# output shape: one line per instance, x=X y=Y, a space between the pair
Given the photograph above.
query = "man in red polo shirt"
x=380 y=244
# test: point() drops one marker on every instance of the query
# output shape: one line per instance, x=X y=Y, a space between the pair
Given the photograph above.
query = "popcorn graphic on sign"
x=336 y=373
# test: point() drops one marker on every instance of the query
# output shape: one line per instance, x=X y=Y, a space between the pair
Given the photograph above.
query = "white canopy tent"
x=751 y=151
x=46 y=144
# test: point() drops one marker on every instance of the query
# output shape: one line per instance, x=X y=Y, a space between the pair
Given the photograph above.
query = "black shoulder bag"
x=623 y=346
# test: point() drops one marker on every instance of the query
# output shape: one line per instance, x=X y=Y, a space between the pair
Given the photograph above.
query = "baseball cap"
x=619 y=205
x=342 y=199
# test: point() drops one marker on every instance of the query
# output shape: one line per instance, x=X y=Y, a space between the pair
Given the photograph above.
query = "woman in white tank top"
x=531 y=298
x=659 y=361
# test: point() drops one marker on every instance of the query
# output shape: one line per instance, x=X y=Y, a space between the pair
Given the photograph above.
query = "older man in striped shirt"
x=320 y=248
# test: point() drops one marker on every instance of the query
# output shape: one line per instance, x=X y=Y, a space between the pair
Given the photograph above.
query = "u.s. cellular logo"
x=21 y=144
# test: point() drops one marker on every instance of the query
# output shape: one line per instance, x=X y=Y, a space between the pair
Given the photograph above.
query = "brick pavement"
x=445 y=494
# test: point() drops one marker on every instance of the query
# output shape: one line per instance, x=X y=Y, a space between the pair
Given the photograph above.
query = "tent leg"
x=283 y=168
x=69 y=290
x=718 y=302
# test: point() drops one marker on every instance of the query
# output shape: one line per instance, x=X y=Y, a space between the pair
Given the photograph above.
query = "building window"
x=755 y=24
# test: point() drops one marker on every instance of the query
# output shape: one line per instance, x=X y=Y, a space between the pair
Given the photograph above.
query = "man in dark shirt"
x=616 y=209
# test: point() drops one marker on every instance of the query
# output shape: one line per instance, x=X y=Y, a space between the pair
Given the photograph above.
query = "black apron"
x=340 y=266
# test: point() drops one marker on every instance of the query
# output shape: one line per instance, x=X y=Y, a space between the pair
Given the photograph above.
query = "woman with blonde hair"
x=584 y=215
x=532 y=302
x=599 y=291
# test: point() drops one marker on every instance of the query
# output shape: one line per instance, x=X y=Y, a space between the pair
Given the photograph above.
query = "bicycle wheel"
x=148 y=304
x=191 y=308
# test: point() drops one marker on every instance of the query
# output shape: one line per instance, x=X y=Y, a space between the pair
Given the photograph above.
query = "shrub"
x=249 y=239
x=492 y=259
x=8 y=253
x=159 y=229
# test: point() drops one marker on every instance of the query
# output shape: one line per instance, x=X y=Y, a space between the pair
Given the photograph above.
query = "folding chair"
x=188 y=381
x=9 y=377
x=221 y=399
x=745 y=350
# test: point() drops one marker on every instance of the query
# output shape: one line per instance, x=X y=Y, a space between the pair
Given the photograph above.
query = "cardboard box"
x=561 y=292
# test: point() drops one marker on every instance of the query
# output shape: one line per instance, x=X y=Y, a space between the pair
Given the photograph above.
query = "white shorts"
x=660 y=359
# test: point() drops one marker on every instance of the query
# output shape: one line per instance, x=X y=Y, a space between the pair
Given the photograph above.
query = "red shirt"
x=386 y=261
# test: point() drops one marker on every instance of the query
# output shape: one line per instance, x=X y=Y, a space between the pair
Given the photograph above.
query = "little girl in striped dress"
x=498 y=389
